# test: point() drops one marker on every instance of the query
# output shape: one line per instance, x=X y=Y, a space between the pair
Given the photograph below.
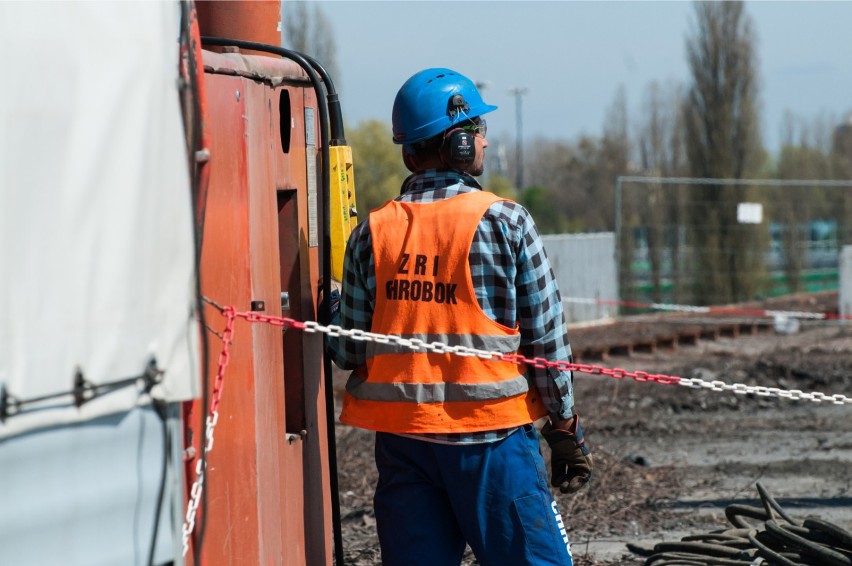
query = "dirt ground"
x=669 y=459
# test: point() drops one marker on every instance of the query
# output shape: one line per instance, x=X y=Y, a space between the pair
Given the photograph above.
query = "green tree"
x=722 y=141
x=538 y=201
x=379 y=171
x=554 y=192
x=502 y=186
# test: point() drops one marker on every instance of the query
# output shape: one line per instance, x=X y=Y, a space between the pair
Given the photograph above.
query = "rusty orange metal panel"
x=231 y=518
x=255 y=20
x=268 y=498
x=299 y=265
x=293 y=173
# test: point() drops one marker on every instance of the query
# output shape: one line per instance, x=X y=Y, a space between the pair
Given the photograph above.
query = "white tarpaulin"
x=96 y=241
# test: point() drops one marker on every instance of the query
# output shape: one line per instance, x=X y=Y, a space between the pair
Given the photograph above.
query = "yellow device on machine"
x=343 y=211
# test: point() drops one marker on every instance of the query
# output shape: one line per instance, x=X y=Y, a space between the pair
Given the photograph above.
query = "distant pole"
x=480 y=86
x=519 y=91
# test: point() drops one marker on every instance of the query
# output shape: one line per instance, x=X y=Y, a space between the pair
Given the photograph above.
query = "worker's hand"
x=335 y=302
x=570 y=459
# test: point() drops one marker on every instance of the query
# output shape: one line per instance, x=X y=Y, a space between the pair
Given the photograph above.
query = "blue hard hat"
x=432 y=101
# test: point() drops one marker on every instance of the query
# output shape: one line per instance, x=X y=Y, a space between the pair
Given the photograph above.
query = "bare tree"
x=661 y=154
x=579 y=178
x=613 y=159
x=722 y=141
x=308 y=30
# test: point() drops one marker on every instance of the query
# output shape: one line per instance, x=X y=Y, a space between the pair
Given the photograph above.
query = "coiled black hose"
x=766 y=533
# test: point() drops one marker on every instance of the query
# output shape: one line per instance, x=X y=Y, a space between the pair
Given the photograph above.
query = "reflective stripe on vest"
x=436 y=392
x=502 y=344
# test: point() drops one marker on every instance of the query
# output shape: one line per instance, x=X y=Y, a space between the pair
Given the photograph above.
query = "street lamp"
x=519 y=91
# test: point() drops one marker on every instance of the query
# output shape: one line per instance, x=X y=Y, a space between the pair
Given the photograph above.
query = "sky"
x=572 y=57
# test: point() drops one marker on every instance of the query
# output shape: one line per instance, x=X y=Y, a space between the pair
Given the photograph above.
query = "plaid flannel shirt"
x=505 y=248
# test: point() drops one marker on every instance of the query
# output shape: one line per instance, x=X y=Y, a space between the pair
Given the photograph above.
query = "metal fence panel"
x=717 y=241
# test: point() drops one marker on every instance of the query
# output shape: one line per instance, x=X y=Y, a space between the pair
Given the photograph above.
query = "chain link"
x=210 y=425
x=762 y=391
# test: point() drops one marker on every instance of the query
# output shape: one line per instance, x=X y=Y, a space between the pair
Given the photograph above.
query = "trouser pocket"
x=544 y=531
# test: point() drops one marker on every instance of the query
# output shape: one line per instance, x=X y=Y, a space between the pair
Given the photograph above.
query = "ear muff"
x=458 y=148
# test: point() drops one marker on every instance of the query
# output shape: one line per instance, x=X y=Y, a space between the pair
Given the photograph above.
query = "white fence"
x=584 y=265
x=845 y=294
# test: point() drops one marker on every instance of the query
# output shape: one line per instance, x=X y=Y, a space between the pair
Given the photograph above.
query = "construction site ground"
x=669 y=459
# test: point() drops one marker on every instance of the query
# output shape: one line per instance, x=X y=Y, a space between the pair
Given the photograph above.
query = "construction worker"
x=457 y=453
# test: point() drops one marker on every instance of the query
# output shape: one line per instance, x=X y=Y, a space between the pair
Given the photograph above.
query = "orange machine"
x=261 y=163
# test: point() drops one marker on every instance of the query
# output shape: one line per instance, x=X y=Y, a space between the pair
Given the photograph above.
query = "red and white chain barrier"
x=708 y=310
x=210 y=426
x=332 y=330
x=618 y=373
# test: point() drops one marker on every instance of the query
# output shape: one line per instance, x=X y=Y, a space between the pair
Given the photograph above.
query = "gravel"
x=669 y=459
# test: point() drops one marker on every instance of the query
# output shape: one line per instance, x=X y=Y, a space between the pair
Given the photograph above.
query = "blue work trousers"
x=433 y=498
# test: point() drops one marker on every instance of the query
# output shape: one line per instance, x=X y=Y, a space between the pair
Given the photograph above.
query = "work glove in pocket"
x=570 y=459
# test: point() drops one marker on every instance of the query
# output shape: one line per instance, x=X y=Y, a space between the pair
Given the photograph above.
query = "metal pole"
x=519 y=91
x=618 y=235
x=617 y=219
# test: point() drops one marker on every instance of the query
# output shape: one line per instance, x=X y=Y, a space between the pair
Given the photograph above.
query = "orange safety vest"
x=424 y=291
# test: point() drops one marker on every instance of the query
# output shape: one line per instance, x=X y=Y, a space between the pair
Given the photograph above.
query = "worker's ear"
x=409 y=159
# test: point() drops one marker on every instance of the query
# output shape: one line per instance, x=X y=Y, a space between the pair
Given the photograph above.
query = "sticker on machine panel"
x=311 y=172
